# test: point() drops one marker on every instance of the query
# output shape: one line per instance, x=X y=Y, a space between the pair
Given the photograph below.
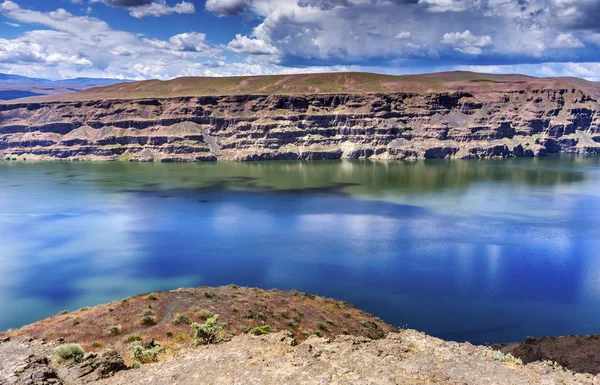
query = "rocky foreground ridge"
x=310 y=340
x=455 y=115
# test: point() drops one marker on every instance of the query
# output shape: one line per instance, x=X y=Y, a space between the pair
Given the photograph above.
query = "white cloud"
x=153 y=8
x=467 y=43
x=403 y=35
x=566 y=40
x=243 y=44
x=161 y=9
x=72 y=46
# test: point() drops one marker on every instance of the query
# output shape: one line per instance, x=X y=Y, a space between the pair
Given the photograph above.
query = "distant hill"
x=324 y=83
x=16 y=86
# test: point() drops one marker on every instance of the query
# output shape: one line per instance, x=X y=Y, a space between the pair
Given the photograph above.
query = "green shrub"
x=260 y=330
x=169 y=333
x=145 y=356
x=180 y=318
x=114 y=330
x=329 y=322
x=318 y=333
x=305 y=333
x=345 y=331
x=207 y=332
x=204 y=314
x=134 y=337
x=292 y=324
x=96 y=344
x=147 y=320
x=71 y=353
x=298 y=316
x=209 y=294
x=284 y=313
x=261 y=315
x=63 y=312
x=322 y=326
x=499 y=356
x=151 y=296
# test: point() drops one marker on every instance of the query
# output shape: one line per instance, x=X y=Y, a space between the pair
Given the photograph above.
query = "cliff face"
x=401 y=125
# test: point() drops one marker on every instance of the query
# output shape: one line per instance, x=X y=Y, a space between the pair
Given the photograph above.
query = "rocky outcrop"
x=577 y=353
x=456 y=124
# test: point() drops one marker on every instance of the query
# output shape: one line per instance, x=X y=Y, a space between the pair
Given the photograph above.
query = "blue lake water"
x=485 y=251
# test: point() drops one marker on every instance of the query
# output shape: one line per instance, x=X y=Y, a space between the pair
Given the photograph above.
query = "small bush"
x=207 y=332
x=261 y=315
x=63 y=312
x=345 y=331
x=71 y=353
x=298 y=316
x=499 y=356
x=322 y=326
x=169 y=333
x=329 y=322
x=134 y=337
x=180 y=318
x=305 y=333
x=85 y=308
x=113 y=331
x=318 y=333
x=151 y=296
x=147 y=320
x=96 y=344
x=260 y=330
x=209 y=294
x=292 y=324
x=146 y=356
x=182 y=337
x=204 y=314
x=284 y=313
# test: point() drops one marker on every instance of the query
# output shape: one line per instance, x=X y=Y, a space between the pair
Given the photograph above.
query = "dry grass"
x=324 y=83
x=241 y=308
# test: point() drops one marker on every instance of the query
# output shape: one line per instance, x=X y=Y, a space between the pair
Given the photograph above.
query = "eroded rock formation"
x=401 y=125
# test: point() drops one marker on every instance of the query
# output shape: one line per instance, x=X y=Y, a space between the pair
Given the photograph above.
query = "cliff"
x=262 y=118
x=311 y=340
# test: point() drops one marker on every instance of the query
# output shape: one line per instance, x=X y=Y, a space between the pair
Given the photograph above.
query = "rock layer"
x=401 y=125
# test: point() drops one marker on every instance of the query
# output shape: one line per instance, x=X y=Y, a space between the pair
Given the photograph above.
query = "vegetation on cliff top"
x=184 y=317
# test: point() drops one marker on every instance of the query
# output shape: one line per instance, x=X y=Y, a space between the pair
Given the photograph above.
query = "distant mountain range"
x=16 y=86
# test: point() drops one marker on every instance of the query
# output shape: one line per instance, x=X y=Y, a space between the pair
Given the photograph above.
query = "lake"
x=483 y=251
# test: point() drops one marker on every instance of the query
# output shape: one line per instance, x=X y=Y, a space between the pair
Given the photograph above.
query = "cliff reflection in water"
x=467 y=250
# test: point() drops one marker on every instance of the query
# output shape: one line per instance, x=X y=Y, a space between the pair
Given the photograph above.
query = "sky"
x=145 y=39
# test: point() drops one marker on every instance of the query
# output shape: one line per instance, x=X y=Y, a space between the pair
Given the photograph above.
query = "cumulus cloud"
x=227 y=7
x=155 y=8
x=403 y=35
x=566 y=40
x=244 y=44
x=161 y=9
x=72 y=46
x=123 y=3
x=466 y=42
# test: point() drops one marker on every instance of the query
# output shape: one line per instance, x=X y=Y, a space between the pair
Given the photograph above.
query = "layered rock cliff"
x=464 y=122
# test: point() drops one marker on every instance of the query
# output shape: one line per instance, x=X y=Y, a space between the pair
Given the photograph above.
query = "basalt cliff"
x=326 y=116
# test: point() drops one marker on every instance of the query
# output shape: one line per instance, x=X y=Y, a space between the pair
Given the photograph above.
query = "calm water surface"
x=485 y=251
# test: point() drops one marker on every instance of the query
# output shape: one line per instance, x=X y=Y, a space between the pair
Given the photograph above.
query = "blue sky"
x=143 y=39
